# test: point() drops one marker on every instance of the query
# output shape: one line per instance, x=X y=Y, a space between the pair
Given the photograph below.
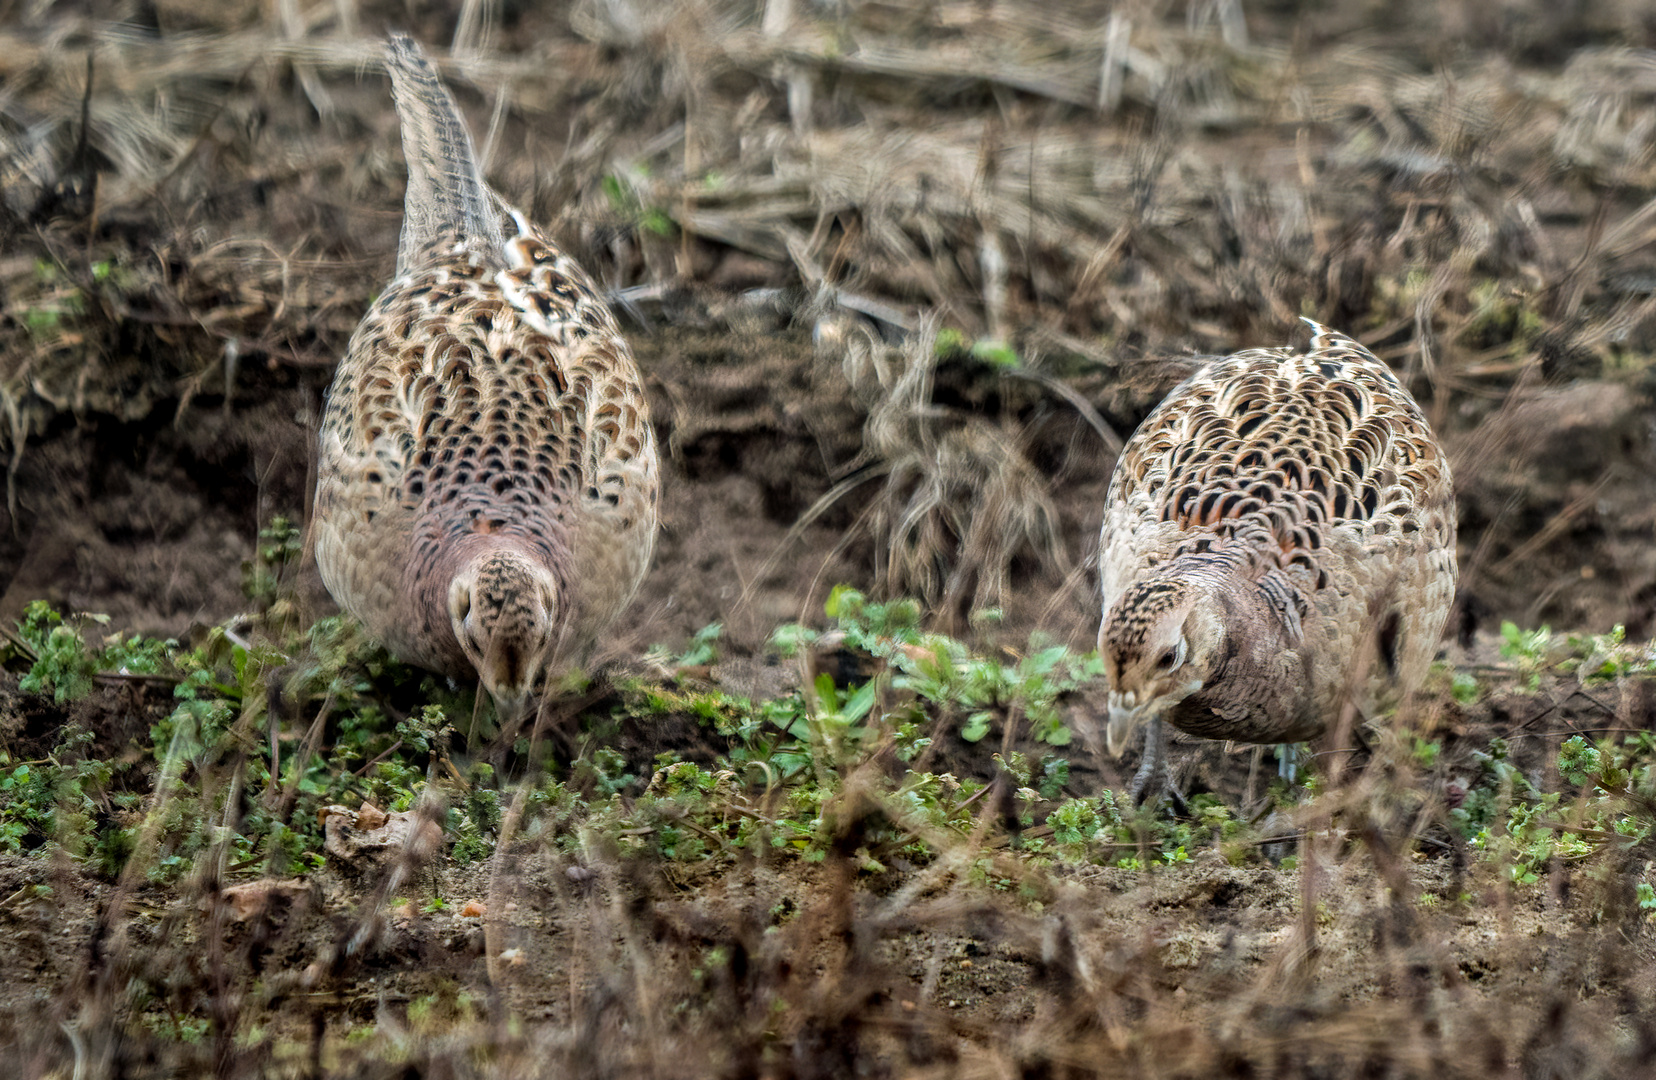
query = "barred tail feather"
x=446 y=192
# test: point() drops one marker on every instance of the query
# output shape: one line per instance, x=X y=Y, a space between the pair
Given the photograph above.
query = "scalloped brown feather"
x=1304 y=493
x=487 y=406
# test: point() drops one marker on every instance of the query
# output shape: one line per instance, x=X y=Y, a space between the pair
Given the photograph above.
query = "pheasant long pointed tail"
x=446 y=193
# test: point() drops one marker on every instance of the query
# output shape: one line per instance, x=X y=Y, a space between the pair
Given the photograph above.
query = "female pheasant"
x=1279 y=539
x=486 y=497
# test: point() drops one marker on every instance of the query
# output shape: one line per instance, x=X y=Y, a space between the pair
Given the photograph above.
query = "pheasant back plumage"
x=487 y=402
x=1312 y=474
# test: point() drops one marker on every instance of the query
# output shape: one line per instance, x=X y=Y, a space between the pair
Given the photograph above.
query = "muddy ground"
x=1466 y=187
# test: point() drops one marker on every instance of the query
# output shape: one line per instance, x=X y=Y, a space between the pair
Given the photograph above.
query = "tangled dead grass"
x=960 y=499
x=1218 y=202
x=191 y=193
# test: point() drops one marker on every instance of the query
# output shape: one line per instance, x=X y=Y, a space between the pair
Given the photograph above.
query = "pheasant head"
x=505 y=610
x=1159 y=641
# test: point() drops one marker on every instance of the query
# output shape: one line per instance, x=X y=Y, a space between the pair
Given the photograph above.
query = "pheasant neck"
x=436 y=561
x=1258 y=686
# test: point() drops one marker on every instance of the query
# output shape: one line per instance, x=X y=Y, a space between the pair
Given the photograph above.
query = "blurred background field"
x=901 y=277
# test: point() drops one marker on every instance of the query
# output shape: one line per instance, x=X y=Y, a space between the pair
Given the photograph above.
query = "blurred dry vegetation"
x=902 y=276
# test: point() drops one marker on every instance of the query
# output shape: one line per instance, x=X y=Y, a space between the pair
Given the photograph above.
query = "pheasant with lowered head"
x=486 y=495
x=1279 y=540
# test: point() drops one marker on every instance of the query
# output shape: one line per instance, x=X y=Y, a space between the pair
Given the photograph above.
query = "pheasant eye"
x=1168 y=659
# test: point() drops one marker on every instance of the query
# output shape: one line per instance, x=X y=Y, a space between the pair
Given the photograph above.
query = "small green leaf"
x=998 y=353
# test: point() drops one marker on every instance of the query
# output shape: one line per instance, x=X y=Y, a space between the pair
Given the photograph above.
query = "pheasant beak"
x=1127 y=715
x=509 y=708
